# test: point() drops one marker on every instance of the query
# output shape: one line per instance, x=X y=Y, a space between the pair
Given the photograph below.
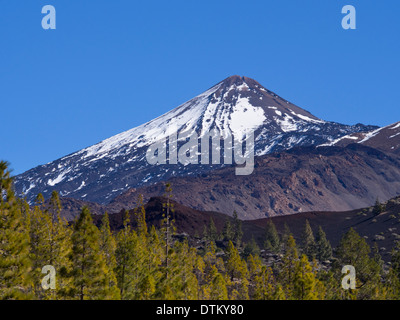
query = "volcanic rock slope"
x=287 y=182
x=107 y=169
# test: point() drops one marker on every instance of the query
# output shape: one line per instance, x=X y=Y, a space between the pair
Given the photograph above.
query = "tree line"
x=144 y=262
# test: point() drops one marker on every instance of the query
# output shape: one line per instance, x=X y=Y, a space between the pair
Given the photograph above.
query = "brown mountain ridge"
x=290 y=182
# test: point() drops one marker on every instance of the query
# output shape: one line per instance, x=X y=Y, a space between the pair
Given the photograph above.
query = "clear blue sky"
x=113 y=65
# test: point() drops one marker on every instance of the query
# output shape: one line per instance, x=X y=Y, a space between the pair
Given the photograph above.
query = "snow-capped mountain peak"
x=232 y=107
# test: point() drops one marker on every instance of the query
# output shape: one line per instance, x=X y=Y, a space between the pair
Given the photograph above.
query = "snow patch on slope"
x=371 y=134
x=58 y=179
x=245 y=117
x=184 y=116
x=395 y=127
x=332 y=143
x=287 y=124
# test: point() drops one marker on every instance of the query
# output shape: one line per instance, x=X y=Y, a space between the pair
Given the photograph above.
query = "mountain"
x=105 y=170
x=381 y=229
x=283 y=183
x=386 y=139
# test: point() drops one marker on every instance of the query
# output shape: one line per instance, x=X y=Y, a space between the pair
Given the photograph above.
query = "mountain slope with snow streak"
x=237 y=104
x=386 y=139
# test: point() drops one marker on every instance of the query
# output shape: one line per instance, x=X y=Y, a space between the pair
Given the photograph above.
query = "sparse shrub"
x=378 y=207
x=396 y=236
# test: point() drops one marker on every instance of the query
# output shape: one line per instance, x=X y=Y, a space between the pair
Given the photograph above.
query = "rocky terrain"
x=299 y=180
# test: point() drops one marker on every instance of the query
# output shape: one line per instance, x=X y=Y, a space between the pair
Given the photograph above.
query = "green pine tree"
x=308 y=241
x=285 y=236
x=353 y=250
x=237 y=229
x=14 y=242
x=251 y=249
x=228 y=232
x=58 y=247
x=140 y=214
x=237 y=273
x=215 y=288
x=288 y=267
x=378 y=207
x=89 y=270
x=108 y=247
x=168 y=227
x=306 y=286
x=272 y=241
x=126 y=257
x=322 y=245
x=210 y=233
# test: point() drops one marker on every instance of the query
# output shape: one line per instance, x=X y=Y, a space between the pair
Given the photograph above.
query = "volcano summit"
x=231 y=107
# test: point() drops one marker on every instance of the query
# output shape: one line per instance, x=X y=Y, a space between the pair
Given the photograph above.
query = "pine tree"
x=59 y=246
x=140 y=214
x=261 y=279
x=49 y=246
x=237 y=229
x=353 y=250
x=279 y=293
x=39 y=201
x=108 y=247
x=288 y=267
x=251 y=248
x=210 y=259
x=285 y=236
x=332 y=284
x=210 y=233
x=155 y=251
x=38 y=234
x=147 y=287
x=54 y=206
x=184 y=281
x=89 y=269
x=215 y=288
x=308 y=241
x=395 y=260
x=237 y=272
x=151 y=255
x=378 y=207
x=167 y=225
x=323 y=247
x=392 y=285
x=126 y=258
x=305 y=284
x=227 y=232
x=272 y=241
x=14 y=242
